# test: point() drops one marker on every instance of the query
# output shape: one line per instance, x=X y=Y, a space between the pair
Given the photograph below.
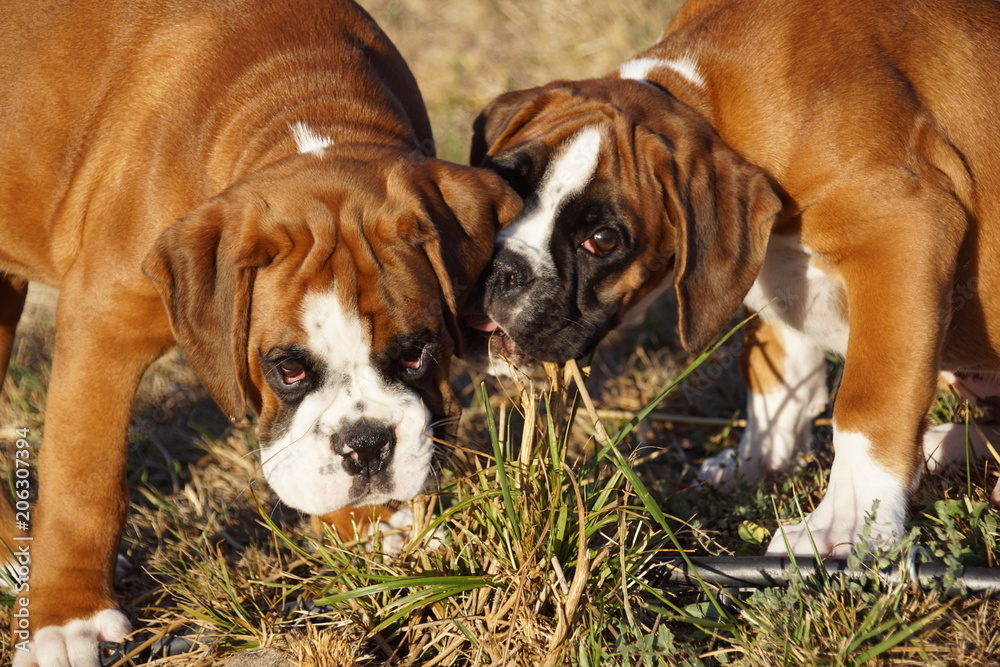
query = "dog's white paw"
x=834 y=533
x=75 y=643
x=719 y=470
x=397 y=533
x=857 y=481
x=770 y=442
x=757 y=456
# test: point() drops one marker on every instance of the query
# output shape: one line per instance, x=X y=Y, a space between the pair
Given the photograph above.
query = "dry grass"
x=542 y=561
x=212 y=551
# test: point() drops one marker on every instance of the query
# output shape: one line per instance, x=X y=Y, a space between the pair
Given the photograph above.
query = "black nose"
x=366 y=445
x=510 y=274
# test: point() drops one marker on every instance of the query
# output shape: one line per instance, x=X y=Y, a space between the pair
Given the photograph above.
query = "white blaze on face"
x=302 y=466
x=308 y=140
x=568 y=173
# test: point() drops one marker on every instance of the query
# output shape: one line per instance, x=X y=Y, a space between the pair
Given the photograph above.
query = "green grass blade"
x=902 y=635
x=502 y=480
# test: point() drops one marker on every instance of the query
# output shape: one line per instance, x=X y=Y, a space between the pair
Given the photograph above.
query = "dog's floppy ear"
x=495 y=119
x=204 y=274
x=459 y=239
x=722 y=209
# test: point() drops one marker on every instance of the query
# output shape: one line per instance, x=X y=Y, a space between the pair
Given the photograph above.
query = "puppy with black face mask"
x=832 y=166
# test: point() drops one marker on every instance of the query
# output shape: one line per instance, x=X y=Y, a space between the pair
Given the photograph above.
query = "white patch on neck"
x=309 y=141
x=567 y=175
x=640 y=68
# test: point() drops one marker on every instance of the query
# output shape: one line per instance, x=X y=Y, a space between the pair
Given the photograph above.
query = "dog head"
x=323 y=293
x=623 y=187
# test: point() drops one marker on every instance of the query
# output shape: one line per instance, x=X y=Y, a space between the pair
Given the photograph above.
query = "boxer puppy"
x=835 y=166
x=247 y=180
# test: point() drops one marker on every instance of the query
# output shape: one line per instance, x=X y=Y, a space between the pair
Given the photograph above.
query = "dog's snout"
x=367 y=446
x=509 y=275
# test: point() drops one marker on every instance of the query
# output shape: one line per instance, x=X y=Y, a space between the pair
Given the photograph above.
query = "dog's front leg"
x=100 y=355
x=897 y=305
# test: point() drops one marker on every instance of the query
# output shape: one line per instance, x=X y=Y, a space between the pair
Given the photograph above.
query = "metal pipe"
x=777 y=571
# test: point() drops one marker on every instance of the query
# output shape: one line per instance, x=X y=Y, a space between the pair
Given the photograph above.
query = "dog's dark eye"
x=602 y=243
x=292 y=371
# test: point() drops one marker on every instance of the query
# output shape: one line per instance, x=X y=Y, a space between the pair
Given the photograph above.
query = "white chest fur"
x=792 y=287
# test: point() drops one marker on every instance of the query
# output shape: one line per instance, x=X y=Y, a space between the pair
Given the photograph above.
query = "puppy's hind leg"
x=785 y=374
x=13 y=292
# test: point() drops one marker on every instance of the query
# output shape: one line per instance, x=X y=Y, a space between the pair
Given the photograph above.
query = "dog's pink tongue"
x=482 y=323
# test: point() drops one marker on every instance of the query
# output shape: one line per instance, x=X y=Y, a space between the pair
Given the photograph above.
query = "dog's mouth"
x=498 y=350
x=499 y=343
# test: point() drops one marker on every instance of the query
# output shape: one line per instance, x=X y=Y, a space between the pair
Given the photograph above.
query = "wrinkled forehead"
x=359 y=295
x=341 y=329
x=568 y=153
x=336 y=331
x=548 y=121
x=406 y=302
x=573 y=154
x=393 y=290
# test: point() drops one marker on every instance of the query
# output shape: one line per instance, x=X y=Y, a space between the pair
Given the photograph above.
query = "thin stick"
x=625 y=415
x=158 y=635
x=602 y=435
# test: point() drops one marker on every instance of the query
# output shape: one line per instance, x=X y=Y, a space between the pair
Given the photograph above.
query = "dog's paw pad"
x=76 y=642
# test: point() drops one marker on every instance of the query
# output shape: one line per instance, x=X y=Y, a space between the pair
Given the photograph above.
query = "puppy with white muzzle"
x=250 y=181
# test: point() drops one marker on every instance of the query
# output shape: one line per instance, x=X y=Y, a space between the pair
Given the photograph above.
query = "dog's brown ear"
x=495 y=119
x=204 y=274
x=459 y=240
x=722 y=209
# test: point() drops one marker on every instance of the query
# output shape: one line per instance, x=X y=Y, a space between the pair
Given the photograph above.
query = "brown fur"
x=762 y=357
x=160 y=132
x=879 y=159
x=875 y=126
x=705 y=212
x=352 y=522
